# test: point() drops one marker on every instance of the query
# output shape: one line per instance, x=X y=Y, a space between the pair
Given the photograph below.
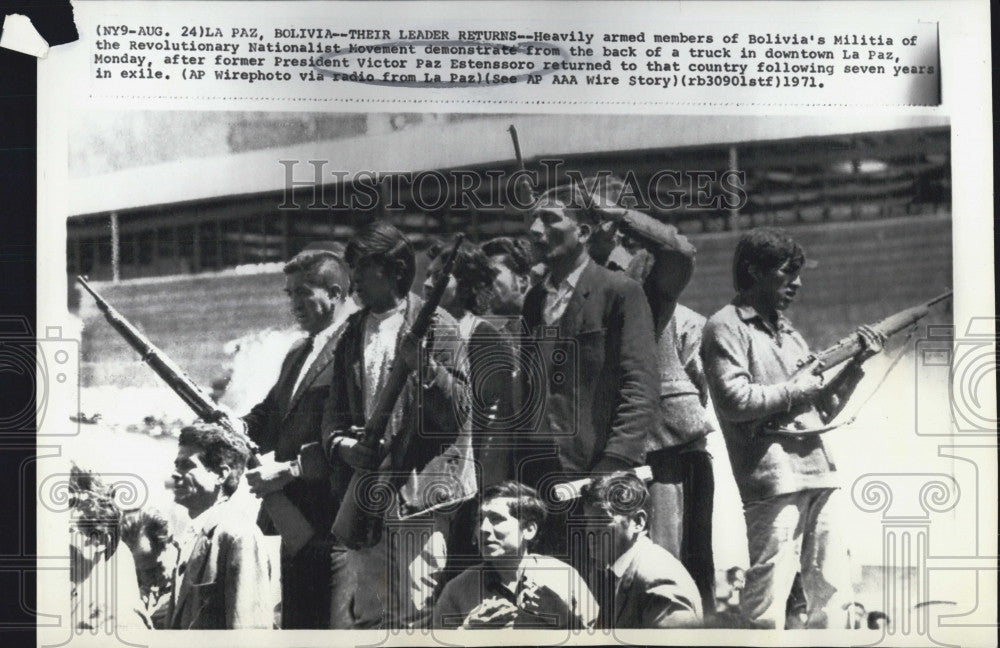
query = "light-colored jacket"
x=226 y=581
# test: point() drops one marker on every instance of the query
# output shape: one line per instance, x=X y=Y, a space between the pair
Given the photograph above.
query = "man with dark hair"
x=222 y=576
x=784 y=472
x=431 y=414
x=514 y=588
x=146 y=532
x=601 y=413
x=642 y=585
x=288 y=423
x=511 y=259
x=592 y=335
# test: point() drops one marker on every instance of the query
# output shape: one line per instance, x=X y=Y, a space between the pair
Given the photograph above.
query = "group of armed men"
x=559 y=358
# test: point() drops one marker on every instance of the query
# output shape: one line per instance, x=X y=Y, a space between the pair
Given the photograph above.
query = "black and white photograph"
x=745 y=298
x=663 y=332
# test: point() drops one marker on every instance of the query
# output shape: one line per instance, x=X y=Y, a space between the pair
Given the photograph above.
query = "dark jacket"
x=288 y=424
x=653 y=590
x=599 y=371
x=437 y=461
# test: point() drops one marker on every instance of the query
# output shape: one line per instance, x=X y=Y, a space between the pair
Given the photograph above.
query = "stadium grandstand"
x=177 y=235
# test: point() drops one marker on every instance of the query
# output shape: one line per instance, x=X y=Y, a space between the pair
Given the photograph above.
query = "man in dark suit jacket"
x=288 y=421
x=223 y=577
x=434 y=463
x=593 y=330
x=639 y=584
x=681 y=495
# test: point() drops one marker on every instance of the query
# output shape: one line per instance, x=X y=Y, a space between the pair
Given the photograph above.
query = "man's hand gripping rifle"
x=859 y=345
x=293 y=527
x=359 y=525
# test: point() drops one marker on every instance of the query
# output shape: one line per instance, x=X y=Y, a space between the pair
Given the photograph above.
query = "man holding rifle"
x=287 y=422
x=772 y=407
x=425 y=453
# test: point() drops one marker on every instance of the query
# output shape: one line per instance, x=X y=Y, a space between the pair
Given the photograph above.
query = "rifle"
x=293 y=527
x=848 y=347
x=523 y=187
x=845 y=349
x=830 y=357
x=358 y=525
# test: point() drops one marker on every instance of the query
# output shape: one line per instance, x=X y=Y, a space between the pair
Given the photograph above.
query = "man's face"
x=779 y=286
x=508 y=288
x=501 y=534
x=195 y=485
x=374 y=287
x=614 y=532
x=312 y=306
x=555 y=236
x=434 y=271
x=602 y=241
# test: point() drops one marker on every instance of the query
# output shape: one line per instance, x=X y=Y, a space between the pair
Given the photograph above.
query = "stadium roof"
x=444 y=145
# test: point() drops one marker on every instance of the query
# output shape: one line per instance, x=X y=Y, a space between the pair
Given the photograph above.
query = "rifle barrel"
x=294 y=528
x=517 y=145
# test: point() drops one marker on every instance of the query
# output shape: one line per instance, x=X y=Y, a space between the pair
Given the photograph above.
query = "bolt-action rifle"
x=848 y=347
x=816 y=363
x=293 y=527
x=845 y=349
x=359 y=523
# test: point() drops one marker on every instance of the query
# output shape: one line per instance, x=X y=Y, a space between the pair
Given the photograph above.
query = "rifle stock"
x=356 y=525
x=293 y=527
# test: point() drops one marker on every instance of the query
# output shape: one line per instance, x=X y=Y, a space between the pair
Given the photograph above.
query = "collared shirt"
x=481 y=583
x=557 y=297
x=187 y=539
x=748 y=362
x=321 y=339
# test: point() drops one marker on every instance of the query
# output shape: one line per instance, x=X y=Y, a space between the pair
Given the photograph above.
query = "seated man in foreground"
x=648 y=587
x=514 y=588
